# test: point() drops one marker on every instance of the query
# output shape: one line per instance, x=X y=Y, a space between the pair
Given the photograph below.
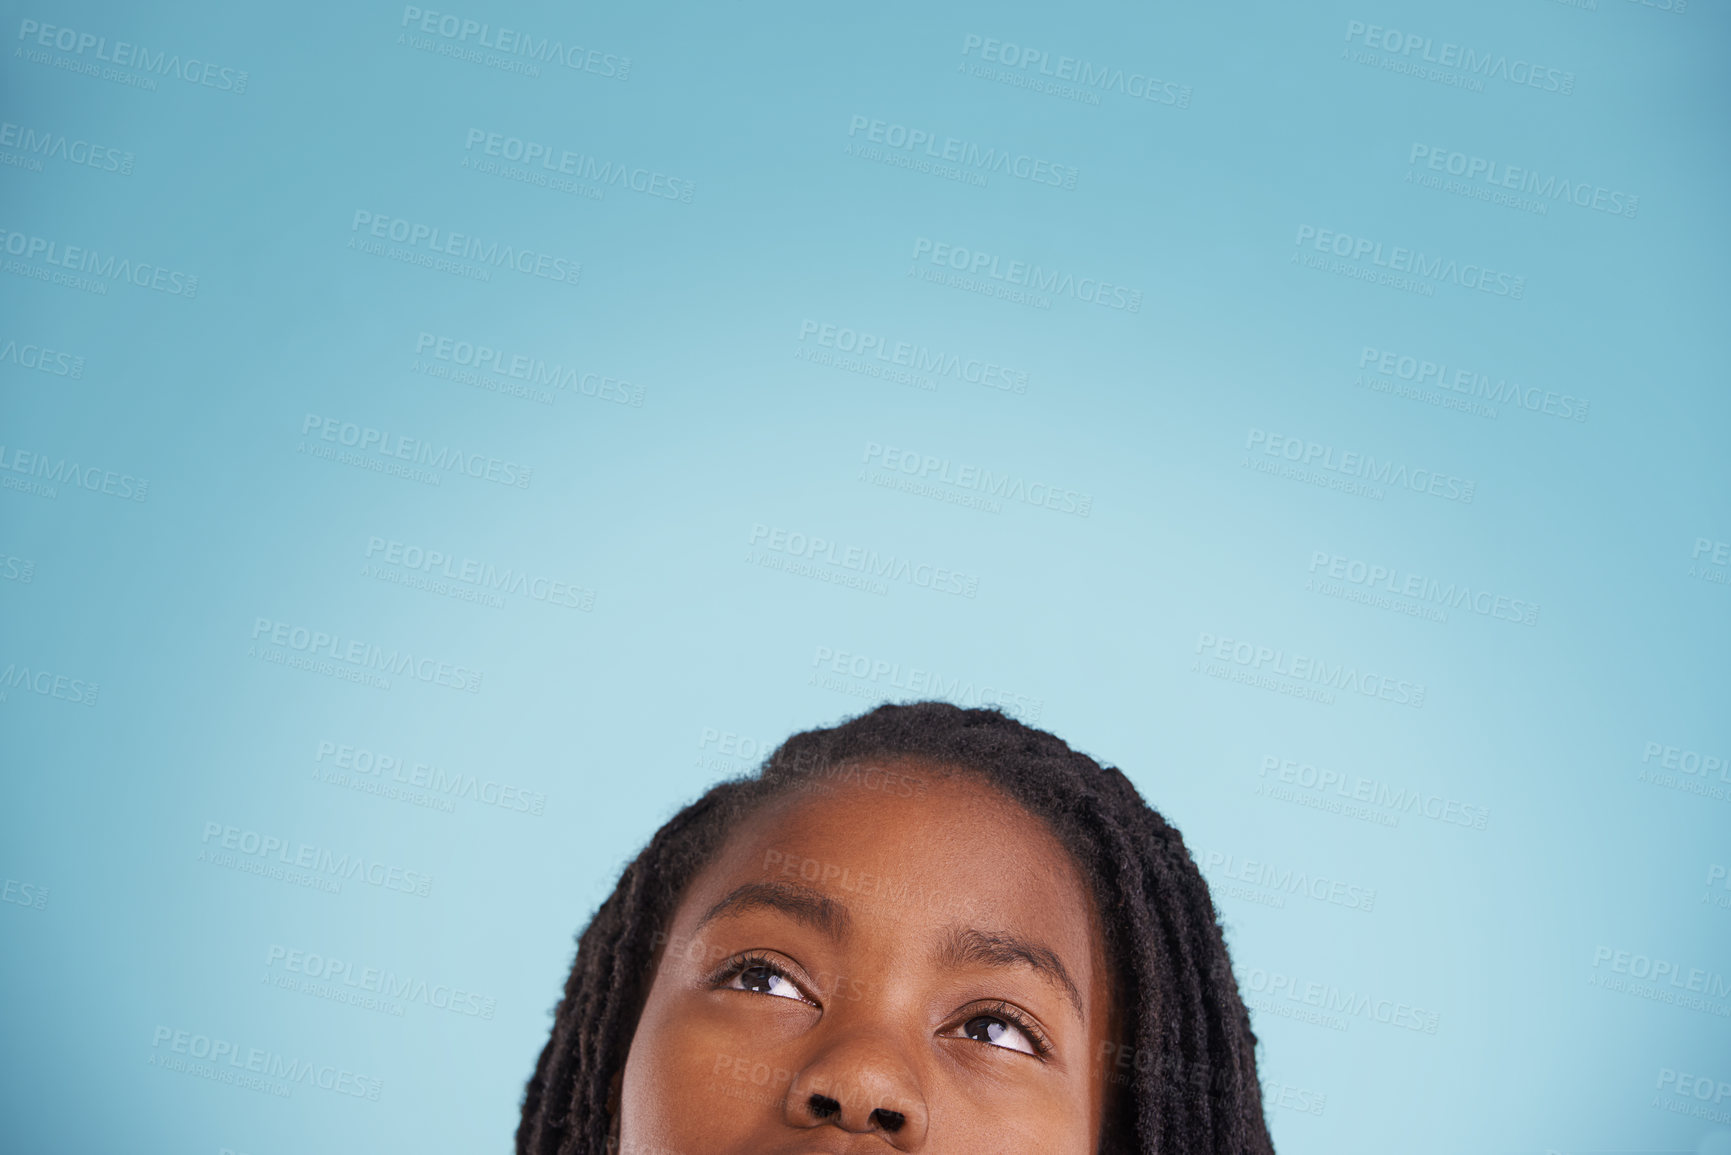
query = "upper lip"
x=836 y=1144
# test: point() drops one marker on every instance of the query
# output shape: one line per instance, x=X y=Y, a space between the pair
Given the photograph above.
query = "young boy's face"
x=903 y=961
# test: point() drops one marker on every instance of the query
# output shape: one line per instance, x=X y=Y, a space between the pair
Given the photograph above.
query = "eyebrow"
x=966 y=945
x=804 y=905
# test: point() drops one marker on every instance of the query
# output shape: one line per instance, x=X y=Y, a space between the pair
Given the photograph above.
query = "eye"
x=1003 y=1026
x=991 y=1029
x=761 y=976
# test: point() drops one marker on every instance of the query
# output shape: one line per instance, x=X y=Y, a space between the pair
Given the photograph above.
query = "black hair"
x=1183 y=1069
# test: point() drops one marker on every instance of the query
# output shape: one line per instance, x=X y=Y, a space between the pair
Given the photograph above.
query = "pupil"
x=984 y=1029
x=758 y=978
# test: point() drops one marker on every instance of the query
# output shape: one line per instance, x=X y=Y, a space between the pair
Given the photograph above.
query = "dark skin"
x=873 y=968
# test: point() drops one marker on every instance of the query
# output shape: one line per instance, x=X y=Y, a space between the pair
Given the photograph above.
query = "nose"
x=861 y=1085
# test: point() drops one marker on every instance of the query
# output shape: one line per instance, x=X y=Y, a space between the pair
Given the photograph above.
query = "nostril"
x=890 y=1121
x=823 y=1106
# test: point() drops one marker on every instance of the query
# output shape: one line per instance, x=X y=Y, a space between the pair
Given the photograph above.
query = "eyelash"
x=734 y=967
x=1013 y=1016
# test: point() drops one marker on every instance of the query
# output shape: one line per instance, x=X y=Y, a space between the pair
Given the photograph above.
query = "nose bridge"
x=865 y=1080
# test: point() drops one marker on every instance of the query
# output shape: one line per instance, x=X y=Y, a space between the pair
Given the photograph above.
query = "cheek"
x=1055 y=1119
x=693 y=1085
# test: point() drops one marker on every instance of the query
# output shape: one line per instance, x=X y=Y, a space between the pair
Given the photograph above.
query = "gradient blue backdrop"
x=1543 y=827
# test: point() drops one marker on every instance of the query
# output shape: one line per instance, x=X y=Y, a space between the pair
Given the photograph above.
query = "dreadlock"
x=1183 y=1072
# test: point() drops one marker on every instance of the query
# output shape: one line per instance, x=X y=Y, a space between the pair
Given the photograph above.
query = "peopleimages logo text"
x=1036 y=278
x=1305 y=668
x=1695 y=980
x=58 y=146
x=962 y=152
x=535 y=371
x=912 y=355
x=1414 y=261
x=1500 y=391
x=260 y=1061
x=337 y=866
x=465 y=246
x=973 y=478
x=92 y=262
x=1453 y=595
x=514 y=42
x=127 y=55
x=1500 y=175
x=64 y=471
x=328 y=969
x=1337 y=784
x=396 y=447
x=364 y=655
x=868 y=563
x=367 y=764
x=1447 y=54
x=484 y=575
x=582 y=166
x=1285 y=879
x=1074 y=70
x=883 y=675
x=1364 y=466
x=41 y=358
x=48 y=684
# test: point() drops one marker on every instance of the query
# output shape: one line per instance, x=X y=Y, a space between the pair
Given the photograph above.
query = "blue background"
x=706 y=423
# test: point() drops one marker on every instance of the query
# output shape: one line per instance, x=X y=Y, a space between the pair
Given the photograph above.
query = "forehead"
x=908 y=847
